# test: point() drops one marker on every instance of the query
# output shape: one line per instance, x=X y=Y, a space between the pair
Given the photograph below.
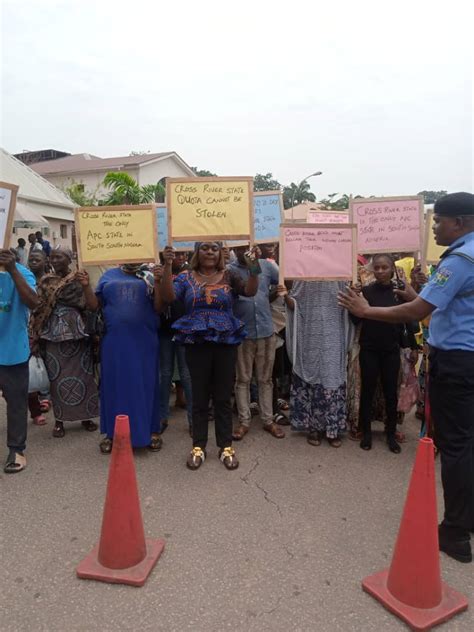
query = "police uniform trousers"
x=451 y=393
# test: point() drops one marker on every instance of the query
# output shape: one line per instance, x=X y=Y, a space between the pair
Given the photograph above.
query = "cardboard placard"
x=8 y=193
x=162 y=227
x=210 y=208
x=268 y=216
x=431 y=251
x=388 y=224
x=328 y=217
x=318 y=252
x=116 y=234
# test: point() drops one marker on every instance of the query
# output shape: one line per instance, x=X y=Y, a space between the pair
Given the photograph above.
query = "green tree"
x=203 y=173
x=430 y=197
x=266 y=182
x=125 y=190
x=80 y=196
x=297 y=194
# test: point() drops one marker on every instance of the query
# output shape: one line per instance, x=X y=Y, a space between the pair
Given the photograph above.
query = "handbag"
x=38 y=376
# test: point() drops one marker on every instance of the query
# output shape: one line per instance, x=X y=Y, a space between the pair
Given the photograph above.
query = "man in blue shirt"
x=44 y=243
x=258 y=350
x=449 y=297
x=17 y=296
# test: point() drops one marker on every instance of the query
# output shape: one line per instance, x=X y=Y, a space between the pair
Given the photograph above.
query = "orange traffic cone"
x=412 y=587
x=123 y=556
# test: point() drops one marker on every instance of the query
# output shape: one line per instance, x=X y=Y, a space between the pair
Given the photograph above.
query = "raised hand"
x=7 y=260
x=83 y=278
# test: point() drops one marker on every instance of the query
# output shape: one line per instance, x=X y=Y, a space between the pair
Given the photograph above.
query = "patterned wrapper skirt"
x=71 y=374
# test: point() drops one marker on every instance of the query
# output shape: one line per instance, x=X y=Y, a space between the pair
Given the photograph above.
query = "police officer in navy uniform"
x=449 y=297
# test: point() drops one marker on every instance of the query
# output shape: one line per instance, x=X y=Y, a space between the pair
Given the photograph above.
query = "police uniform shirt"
x=451 y=291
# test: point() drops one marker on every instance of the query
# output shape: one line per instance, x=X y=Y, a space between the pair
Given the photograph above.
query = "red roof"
x=86 y=162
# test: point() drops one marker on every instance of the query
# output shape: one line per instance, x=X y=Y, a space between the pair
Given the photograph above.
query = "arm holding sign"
x=164 y=292
x=282 y=290
x=92 y=302
x=27 y=294
x=157 y=298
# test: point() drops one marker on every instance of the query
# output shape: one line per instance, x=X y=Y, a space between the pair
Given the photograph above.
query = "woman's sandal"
x=156 y=443
x=58 y=430
x=334 y=442
x=105 y=446
x=40 y=420
x=227 y=456
x=16 y=462
x=314 y=438
x=196 y=458
x=283 y=404
x=89 y=425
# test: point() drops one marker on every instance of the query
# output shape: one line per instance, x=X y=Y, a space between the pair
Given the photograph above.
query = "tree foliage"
x=266 y=182
x=80 y=196
x=125 y=190
x=203 y=173
x=430 y=197
x=297 y=194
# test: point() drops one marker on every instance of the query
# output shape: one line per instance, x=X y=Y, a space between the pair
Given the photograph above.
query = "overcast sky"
x=376 y=95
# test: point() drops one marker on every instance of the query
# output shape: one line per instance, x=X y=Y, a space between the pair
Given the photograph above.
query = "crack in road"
x=266 y=495
x=247 y=481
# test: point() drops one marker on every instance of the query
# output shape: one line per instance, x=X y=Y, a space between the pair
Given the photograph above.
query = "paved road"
x=280 y=544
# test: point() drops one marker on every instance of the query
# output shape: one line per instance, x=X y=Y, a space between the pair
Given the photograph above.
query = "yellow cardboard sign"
x=432 y=251
x=210 y=208
x=116 y=234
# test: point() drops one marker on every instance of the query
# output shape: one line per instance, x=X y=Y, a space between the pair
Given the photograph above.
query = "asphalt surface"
x=282 y=543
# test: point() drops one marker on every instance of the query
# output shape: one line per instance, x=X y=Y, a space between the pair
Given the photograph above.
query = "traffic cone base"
x=91 y=568
x=452 y=602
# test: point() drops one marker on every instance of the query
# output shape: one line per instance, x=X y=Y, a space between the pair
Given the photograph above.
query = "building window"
x=45 y=231
x=63 y=231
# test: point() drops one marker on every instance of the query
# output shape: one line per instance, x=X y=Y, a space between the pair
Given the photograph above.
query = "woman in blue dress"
x=129 y=352
x=210 y=334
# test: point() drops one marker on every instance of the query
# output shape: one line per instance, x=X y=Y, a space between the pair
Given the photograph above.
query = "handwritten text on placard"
x=325 y=217
x=313 y=252
x=214 y=208
x=116 y=235
x=389 y=226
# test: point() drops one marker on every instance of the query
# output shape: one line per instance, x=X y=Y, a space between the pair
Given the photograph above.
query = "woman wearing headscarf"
x=129 y=352
x=318 y=338
x=58 y=325
x=211 y=334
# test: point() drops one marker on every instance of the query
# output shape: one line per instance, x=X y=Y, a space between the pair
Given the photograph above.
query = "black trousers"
x=373 y=364
x=451 y=393
x=14 y=385
x=212 y=370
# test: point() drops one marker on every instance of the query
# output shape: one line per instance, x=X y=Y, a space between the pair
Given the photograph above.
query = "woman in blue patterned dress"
x=318 y=338
x=210 y=333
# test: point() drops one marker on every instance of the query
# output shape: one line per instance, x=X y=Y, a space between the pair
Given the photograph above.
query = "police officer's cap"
x=455 y=205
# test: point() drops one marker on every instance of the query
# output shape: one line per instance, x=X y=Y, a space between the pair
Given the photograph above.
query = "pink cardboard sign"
x=388 y=224
x=324 y=217
x=316 y=252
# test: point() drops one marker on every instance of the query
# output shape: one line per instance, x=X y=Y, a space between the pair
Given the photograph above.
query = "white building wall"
x=93 y=182
x=154 y=172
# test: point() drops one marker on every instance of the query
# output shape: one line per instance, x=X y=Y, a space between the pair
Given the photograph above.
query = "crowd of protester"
x=219 y=327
